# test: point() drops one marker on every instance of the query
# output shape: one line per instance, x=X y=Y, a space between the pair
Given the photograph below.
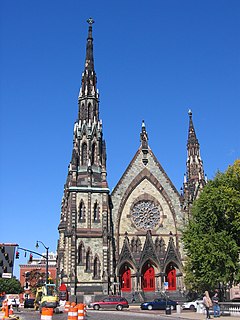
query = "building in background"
x=127 y=241
x=34 y=273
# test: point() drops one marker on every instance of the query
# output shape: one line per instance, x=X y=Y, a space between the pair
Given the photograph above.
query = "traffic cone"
x=11 y=310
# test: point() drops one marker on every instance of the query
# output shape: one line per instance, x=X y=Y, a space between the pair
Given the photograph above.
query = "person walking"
x=216 y=307
x=207 y=303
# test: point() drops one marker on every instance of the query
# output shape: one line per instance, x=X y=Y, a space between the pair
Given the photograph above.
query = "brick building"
x=37 y=267
x=128 y=240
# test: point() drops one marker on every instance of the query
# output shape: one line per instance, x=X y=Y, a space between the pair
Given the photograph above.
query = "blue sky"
x=154 y=60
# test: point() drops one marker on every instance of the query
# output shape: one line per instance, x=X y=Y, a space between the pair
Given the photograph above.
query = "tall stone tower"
x=84 y=242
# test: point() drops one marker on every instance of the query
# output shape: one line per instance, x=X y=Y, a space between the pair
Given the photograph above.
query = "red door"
x=148 y=283
x=171 y=279
x=126 y=280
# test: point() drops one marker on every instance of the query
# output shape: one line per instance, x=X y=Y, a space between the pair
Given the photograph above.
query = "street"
x=103 y=315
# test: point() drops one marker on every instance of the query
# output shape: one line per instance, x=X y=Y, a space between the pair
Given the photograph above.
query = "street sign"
x=165 y=285
x=7 y=275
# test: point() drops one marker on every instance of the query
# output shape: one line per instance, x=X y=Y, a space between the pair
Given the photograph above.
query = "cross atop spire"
x=90 y=21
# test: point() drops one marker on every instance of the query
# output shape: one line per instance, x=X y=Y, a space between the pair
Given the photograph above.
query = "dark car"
x=1 y=300
x=29 y=303
x=116 y=302
x=159 y=304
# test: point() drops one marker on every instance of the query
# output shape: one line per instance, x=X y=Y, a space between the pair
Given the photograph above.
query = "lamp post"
x=37 y=245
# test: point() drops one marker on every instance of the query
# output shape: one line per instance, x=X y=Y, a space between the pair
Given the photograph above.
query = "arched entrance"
x=171 y=277
x=125 y=278
x=148 y=277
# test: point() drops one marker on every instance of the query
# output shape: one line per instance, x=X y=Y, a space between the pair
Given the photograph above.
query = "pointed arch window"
x=95 y=212
x=88 y=261
x=84 y=154
x=93 y=154
x=81 y=214
x=80 y=253
x=96 y=268
x=89 y=111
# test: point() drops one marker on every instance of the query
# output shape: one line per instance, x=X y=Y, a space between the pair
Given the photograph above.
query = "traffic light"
x=17 y=254
x=30 y=257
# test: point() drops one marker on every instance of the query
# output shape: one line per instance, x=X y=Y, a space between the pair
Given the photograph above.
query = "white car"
x=192 y=305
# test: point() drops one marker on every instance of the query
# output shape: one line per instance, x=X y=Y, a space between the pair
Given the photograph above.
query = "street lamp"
x=37 y=245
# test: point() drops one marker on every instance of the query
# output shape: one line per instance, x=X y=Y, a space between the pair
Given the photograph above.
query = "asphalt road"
x=102 y=315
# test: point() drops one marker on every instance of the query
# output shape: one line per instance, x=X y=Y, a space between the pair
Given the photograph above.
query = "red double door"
x=171 y=278
x=148 y=278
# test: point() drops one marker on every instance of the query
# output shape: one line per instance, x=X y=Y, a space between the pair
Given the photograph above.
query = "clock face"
x=146 y=215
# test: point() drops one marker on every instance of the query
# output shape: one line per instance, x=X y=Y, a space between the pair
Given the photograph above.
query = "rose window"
x=146 y=215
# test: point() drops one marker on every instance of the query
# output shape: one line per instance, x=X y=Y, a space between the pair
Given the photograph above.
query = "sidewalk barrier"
x=80 y=308
x=178 y=308
x=47 y=314
x=73 y=313
x=67 y=306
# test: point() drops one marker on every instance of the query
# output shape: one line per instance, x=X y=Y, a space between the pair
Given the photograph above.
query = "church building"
x=128 y=240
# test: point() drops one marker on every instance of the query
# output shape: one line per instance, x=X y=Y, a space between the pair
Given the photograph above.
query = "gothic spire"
x=88 y=95
x=192 y=138
x=194 y=179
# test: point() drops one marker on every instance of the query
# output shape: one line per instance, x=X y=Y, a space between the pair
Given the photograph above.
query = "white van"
x=13 y=299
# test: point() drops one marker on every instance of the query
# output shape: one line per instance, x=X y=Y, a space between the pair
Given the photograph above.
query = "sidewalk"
x=185 y=314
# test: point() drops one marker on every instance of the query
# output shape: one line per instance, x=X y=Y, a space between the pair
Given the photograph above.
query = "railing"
x=232 y=307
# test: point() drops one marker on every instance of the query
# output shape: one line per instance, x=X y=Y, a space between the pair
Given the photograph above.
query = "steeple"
x=88 y=96
x=194 y=179
x=84 y=245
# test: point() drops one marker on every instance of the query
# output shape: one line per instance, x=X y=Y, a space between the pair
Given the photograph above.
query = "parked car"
x=116 y=302
x=1 y=300
x=159 y=304
x=29 y=303
x=192 y=305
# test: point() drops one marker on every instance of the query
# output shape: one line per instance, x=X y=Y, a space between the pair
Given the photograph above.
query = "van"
x=13 y=299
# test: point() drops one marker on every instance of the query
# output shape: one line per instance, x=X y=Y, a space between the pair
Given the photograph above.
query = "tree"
x=211 y=238
x=10 y=285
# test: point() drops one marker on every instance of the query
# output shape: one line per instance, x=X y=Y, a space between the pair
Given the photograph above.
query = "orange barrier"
x=47 y=314
x=11 y=310
x=80 y=308
x=73 y=304
x=67 y=306
x=5 y=309
x=73 y=313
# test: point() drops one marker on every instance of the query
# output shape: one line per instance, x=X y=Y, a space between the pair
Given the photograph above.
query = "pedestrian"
x=216 y=307
x=207 y=302
x=133 y=297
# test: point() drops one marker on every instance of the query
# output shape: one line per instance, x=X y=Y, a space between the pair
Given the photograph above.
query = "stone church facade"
x=128 y=240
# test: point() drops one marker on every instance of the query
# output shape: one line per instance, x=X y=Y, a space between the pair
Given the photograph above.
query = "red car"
x=116 y=302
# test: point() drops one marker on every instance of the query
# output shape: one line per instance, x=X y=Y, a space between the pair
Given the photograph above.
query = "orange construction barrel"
x=67 y=306
x=73 y=313
x=80 y=308
x=47 y=314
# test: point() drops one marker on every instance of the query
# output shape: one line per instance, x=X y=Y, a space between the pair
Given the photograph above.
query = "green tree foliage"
x=10 y=285
x=212 y=237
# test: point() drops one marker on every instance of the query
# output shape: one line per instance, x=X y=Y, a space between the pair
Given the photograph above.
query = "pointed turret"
x=194 y=179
